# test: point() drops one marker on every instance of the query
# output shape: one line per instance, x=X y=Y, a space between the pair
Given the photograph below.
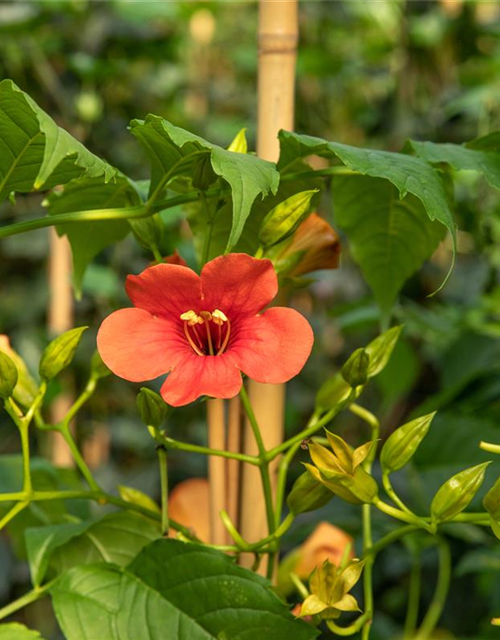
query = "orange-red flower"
x=205 y=330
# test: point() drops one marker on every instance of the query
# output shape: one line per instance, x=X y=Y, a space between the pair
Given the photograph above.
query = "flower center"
x=207 y=332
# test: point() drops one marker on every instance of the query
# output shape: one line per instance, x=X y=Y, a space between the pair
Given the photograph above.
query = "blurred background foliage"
x=369 y=74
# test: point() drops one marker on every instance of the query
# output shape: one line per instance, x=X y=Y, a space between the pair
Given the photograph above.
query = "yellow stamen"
x=191 y=318
x=226 y=339
x=219 y=317
x=190 y=340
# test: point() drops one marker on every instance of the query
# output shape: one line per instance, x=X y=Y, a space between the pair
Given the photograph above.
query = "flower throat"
x=207 y=332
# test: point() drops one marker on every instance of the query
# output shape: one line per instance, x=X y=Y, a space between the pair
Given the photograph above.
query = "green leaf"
x=60 y=352
x=16 y=631
x=457 y=492
x=380 y=350
x=116 y=538
x=307 y=494
x=491 y=501
x=389 y=237
x=88 y=239
x=400 y=446
x=8 y=376
x=34 y=152
x=462 y=157
x=407 y=173
x=173 y=590
x=172 y=151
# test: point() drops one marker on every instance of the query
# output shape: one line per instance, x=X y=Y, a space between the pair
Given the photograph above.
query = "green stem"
x=393 y=495
x=282 y=476
x=439 y=600
x=312 y=427
x=169 y=443
x=410 y=518
x=351 y=629
x=12 y=513
x=393 y=536
x=413 y=597
x=32 y=596
x=65 y=431
x=156 y=253
x=162 y=459
x=264 y=472
x=25 y=447
x=210 y=227
x=80 y=401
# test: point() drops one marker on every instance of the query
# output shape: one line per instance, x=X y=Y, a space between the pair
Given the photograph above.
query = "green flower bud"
x=400 y=446
x=282 y=221
x=134 y=496
x=333 y=393
x=491 y=501
x=152 y=408
x=330 y=586
x=203 y=173
x=59 y=353
x=8 y=376
x=456 y=493
x=307 y=494
x=148 y=231
x=380 y=350
x=355 y=370
x=239 y=144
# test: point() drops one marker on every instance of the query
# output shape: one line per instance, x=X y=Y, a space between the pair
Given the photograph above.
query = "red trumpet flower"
x=205 y=330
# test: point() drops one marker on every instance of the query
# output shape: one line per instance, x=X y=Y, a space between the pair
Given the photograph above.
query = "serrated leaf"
x=462 y=157
x=407 y=173
x=34 y=152
x=116 y=538
x=173 y=590
x=172 y=151
x=88 y=239
x=390 y=238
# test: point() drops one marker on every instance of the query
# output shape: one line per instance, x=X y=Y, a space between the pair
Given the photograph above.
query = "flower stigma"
x=215 y=345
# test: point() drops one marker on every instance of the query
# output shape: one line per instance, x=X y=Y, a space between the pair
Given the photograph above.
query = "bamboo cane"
x=60 y=319
x=216 y=469
x=277 y=41
x=233 y=466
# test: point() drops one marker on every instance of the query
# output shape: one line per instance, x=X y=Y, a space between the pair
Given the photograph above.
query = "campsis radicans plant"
x=147 y=569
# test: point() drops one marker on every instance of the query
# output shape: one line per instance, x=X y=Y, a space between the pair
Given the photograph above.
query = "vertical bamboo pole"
x=60 y=319
x=216 y=469
x=233 y=466
x=277 y=42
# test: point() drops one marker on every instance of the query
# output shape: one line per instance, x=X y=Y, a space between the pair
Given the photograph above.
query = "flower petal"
x=137 y=346
x=165 y=289
x=238 y=284
x=274 y=346
x=214 y=376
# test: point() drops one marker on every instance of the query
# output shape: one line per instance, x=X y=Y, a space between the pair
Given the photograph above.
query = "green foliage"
x=116 y=538
x=172 y=151
x=284 y=218
x=88 y=239
x=355 y=370
x=16 y=631
x=389 y=237
x=8 y=376
x=172 y=586
x=37 y=154
x=60 y=352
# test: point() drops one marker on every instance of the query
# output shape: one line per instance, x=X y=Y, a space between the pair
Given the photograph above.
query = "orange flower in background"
x=188 y=505
x=205 y=330
x=316 y=246
x=326 y=542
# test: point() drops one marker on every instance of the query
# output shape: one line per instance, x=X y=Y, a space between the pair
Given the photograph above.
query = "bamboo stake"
x=60 y=319
x=216 y=469
x=233 y=466
x=277 y=41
